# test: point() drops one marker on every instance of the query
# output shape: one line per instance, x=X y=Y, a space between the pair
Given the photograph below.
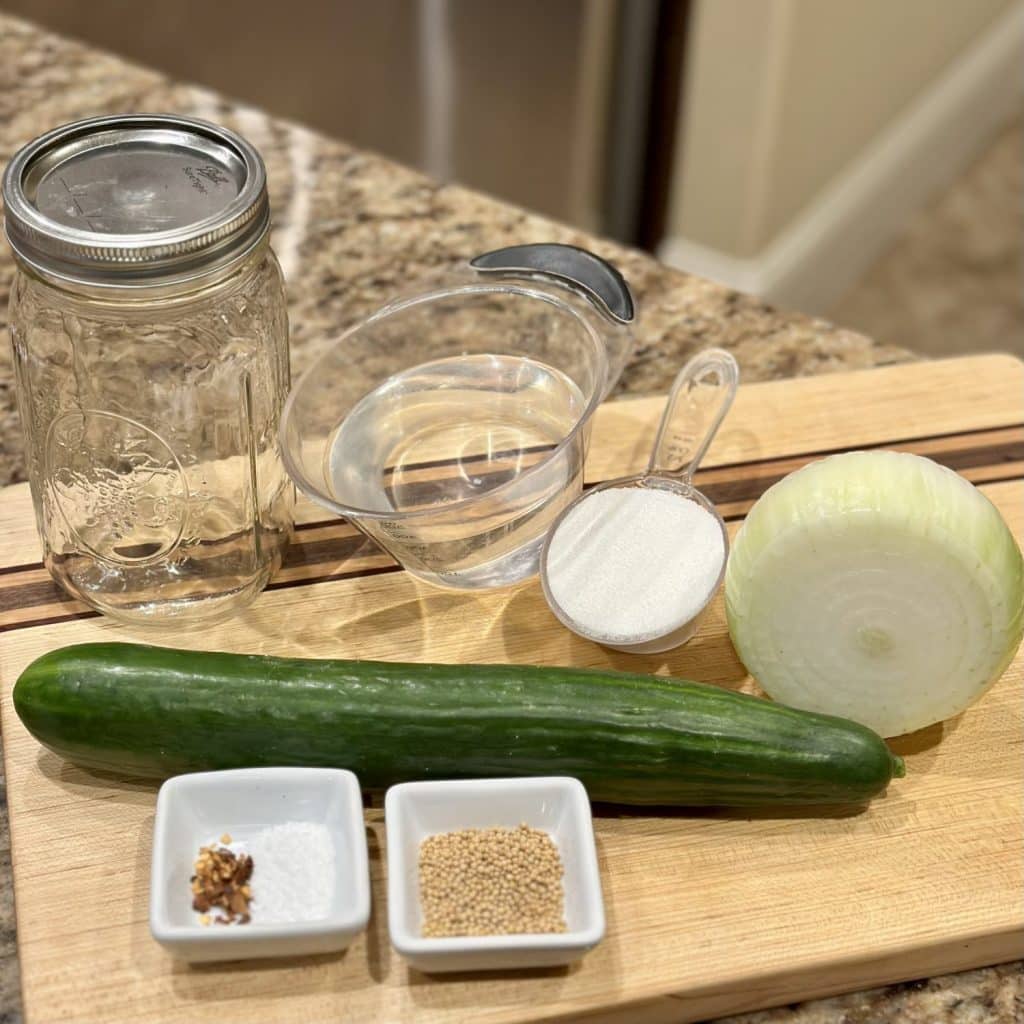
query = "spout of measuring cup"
x=608 y=303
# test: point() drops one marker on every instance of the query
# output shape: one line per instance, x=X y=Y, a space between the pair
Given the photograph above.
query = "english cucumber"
x=630 y=739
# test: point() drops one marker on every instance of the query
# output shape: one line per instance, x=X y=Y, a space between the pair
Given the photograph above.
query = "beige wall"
x=782 y=94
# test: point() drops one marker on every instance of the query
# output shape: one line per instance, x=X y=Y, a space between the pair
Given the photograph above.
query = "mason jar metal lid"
x=135 y=201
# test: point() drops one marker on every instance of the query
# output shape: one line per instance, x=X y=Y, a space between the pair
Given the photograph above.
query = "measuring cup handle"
x=700 y=397
x=597 y=279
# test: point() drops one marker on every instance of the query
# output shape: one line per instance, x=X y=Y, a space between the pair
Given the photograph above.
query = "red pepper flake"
x=221 y=881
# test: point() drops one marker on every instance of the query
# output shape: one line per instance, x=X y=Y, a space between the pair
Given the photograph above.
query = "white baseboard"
x=827 y=247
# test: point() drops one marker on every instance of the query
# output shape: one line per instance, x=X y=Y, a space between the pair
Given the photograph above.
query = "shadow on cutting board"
x=79 y=781
x=529 y=633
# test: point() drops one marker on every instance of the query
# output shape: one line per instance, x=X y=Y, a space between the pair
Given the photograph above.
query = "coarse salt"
x=632 y=563
x=293 y=873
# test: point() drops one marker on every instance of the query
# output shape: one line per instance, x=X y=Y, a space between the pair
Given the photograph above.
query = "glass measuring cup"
x=451 y=427
x=697 y=404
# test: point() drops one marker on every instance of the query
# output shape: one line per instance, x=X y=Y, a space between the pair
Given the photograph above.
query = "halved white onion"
x=879 y=586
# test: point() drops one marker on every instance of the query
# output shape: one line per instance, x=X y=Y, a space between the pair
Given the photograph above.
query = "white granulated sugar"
x=634 y=563
x=293 y=872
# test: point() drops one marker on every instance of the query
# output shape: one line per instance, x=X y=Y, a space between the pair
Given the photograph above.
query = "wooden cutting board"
x=708 y=913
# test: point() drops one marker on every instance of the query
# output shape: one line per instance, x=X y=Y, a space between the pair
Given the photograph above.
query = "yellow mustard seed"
x=491 y=881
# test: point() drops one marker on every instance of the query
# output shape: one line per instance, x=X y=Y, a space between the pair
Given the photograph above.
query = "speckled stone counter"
x=350 y=230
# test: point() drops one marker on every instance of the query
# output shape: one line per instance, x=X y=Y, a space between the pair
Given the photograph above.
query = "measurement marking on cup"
x=483 y=456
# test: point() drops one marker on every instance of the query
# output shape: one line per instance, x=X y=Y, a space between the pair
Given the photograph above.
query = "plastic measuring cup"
x=698 y=402
x=451 y=426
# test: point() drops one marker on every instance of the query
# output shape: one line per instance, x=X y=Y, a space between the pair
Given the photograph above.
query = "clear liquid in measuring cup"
x=457 y=429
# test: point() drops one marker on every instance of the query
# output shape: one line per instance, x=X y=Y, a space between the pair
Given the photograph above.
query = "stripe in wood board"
x=331 y=550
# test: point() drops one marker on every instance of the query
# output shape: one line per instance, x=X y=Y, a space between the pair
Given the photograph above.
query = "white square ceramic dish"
x=193 y=809
x=559 y=806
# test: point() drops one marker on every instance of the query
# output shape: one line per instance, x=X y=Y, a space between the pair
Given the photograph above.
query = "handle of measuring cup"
x=587 y=273
x=700 y=397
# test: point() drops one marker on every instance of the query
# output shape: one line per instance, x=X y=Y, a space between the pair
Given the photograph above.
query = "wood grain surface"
x=708 y=912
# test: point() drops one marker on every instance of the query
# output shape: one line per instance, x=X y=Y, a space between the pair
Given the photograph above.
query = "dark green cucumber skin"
x=151 y=711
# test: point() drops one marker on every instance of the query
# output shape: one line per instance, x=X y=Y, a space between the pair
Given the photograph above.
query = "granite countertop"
x=350 y=229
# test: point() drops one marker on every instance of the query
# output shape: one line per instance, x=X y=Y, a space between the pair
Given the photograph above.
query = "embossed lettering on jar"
x=150 y=346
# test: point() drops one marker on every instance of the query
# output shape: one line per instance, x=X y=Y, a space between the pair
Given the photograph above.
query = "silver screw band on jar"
x=189 y=200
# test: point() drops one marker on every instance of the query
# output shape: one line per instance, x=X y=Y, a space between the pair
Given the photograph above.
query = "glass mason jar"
x=150 y=342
